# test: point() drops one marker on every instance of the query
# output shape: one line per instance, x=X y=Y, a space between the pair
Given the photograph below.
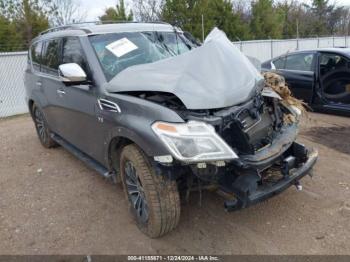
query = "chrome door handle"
x=39 y=83
x=61 y=92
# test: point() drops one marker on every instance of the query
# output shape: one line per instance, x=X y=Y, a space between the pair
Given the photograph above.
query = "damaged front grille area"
x=249 y=132
x=247 y=128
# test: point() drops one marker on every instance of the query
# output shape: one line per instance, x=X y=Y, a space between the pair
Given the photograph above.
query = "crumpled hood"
x=214 y=75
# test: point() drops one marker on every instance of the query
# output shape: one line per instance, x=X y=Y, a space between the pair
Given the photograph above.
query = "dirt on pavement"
x=51 y=203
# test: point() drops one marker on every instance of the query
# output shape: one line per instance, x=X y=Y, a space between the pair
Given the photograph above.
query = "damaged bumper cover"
x=249 y=192
x=264 y=158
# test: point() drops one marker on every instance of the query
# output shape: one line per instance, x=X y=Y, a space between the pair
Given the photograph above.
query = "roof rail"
x=76 y=26
x=61 y=28
x=99 y=22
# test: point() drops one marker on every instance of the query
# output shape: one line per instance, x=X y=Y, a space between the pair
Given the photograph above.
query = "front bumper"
x=253 y=194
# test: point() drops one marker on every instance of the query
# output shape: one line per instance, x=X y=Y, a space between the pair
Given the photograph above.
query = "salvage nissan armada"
x=147 y=105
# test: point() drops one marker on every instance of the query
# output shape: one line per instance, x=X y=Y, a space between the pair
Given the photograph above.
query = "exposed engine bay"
x=247 y=128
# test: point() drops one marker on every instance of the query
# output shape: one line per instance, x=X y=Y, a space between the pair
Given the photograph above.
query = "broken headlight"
x=193 y=141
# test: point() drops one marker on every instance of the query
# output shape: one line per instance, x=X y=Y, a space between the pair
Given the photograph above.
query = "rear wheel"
x=153 y=199
x=42 y=129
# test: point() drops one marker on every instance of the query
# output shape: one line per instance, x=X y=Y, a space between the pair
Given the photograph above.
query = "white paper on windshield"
x=121 y=47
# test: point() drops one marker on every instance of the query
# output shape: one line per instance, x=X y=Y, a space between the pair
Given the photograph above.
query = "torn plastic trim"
x=269 y=92
x=261 y=193
x=265 y=157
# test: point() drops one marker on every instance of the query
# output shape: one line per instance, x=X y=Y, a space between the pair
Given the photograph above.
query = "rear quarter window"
x=35 y=52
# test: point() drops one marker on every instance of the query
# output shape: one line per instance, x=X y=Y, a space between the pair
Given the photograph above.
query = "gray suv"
x=147 y=105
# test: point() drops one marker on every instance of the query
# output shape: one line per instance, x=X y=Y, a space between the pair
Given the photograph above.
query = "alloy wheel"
x=136 y=192
x=40 y=125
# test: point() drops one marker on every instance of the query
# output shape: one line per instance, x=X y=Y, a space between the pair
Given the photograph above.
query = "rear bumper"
x=263 y=192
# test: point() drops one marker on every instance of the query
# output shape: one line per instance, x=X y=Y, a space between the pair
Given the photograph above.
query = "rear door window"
x=36 y=55
x=300 y=62
x=51 y=57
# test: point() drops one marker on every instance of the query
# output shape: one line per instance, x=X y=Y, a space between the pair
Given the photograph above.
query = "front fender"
x=134 y=123
x=148 y=142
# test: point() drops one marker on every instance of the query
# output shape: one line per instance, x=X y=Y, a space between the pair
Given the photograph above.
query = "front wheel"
x=42 y=129
x=153 y=199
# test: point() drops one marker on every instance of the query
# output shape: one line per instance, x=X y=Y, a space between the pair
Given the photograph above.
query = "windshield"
x=118 y=51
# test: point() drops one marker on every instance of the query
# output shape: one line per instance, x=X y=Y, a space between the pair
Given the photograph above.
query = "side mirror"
x=72 y=73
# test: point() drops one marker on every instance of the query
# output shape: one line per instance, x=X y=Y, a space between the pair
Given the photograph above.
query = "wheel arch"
x=30 y=106
x=114 y=149
x=119 y=137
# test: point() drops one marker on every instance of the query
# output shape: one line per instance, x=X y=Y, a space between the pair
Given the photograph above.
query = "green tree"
x=290 y=21
x=222 y=14
x=25 y=20
x=296 y=19
x=266 y=21
x=118 y=13
x=322 y=11
x=32 y=20
x=10 y=39
x=187 y=14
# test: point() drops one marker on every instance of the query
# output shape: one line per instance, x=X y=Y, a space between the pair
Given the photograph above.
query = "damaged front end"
x=265 y=158
x=263 y=137
x=238 y=133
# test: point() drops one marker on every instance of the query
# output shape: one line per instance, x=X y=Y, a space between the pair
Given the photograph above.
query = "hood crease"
x=214 y=75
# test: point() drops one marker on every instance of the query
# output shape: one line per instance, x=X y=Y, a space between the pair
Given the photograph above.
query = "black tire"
x=161 y=196
x=42 y=129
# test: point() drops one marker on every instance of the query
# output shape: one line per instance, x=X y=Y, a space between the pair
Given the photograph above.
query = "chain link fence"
x=13 y=64
x=12 y=92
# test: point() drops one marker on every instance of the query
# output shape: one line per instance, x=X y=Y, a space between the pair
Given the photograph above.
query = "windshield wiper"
x=160 y=40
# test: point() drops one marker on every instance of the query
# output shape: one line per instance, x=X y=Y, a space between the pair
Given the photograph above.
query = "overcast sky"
x=95 y=8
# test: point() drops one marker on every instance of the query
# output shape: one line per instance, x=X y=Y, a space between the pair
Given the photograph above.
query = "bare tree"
x=65 y=12
x=241 y=6
x=148 y=10
x=338 y=21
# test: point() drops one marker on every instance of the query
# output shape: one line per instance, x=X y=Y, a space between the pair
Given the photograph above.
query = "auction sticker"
x=121 y=47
